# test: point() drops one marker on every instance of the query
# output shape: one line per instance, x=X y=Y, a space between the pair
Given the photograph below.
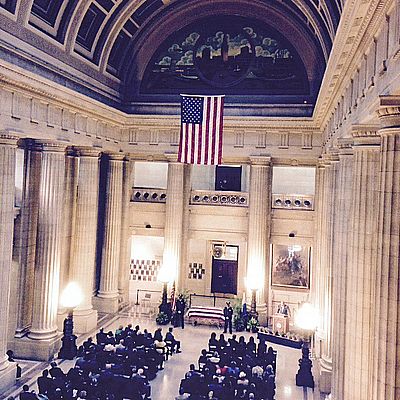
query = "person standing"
x=180 y=312
x=228 y=314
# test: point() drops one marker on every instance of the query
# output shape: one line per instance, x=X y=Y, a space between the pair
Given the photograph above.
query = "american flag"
x=201 y=130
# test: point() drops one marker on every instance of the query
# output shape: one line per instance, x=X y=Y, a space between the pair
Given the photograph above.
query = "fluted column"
x=317 y=293
x=123 y=274
x=68 y=225
x=258 y=230
x=173 y=219
x=341 y=265
x=107 y=296
x=386 y=371
x=8 y=146
x=360 y=310
x=27 y=242
x=329 y=240
x=48 y=243
x=84 y=248
x=187 y=187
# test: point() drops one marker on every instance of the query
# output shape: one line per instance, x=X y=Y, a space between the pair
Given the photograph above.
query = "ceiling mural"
x=226 y=54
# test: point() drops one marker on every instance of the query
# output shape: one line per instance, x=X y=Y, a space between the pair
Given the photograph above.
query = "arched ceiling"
x=111 y=41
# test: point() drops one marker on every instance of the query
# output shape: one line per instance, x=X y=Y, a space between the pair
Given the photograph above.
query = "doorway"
x=224 y=269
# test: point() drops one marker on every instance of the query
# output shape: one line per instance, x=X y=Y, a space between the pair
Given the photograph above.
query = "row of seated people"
x=231 y=370
x=119 y=366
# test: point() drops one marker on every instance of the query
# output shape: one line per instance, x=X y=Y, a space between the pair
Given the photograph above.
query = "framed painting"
x=291 y=266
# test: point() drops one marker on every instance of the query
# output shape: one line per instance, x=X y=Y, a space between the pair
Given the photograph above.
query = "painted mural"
x=226 y=55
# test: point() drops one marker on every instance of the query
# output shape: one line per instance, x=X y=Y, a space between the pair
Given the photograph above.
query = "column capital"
x=345 y=145
x=87 y=151
x=366 y=135
x=389 y=111
x=332 y=155
x=171 y=157
x=8 y=139
x=260 y=160
x=115 y=156
x=49 y=146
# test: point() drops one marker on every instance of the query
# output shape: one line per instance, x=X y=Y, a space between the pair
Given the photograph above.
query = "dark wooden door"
x=224 y=276
x=228 y=178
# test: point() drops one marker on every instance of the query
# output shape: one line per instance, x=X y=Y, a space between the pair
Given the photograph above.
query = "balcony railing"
x=293 y=201
x=149 y=195
x=212 y=198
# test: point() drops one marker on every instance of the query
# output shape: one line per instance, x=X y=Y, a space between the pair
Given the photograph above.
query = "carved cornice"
x=359 y=23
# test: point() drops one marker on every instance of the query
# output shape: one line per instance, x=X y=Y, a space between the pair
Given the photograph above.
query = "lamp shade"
x=71 y=296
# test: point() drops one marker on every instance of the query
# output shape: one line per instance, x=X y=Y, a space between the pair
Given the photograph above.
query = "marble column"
x=27 y=242
x=68 y=225
x=319 y=208
x=107 y=296
x=329 y=239
x=258 y=231
x=84 y=247
x=48 y=252
x=360 y=310
x=8 y=146
x=187 y=187
x=341 y=265
x=386 y=366
x=123 y=273
x=324 y=193
x=174 y=219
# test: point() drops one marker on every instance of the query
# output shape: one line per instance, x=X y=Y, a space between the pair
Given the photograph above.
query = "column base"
x=105 y=304
x=39 y=350
x=85 y=321
x=8 y=377
x=325 y=376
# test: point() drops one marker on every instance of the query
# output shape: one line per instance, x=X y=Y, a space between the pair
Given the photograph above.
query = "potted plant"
x=253 y=324
x=162 y=318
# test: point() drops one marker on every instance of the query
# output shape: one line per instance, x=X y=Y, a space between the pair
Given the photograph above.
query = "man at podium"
x=283 y=309
x=280 y=320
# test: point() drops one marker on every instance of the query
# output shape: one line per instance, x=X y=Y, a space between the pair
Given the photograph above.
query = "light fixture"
x=307 y=320
x=70 y=298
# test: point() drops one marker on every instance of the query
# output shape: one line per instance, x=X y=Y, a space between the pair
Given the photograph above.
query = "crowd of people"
x=231 y=369
x=117 y=366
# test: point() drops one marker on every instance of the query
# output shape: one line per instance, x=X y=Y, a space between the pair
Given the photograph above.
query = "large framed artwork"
x=291 y=266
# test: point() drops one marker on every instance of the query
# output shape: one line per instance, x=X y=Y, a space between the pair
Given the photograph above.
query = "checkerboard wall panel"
x=144 y=270
x=196 y=271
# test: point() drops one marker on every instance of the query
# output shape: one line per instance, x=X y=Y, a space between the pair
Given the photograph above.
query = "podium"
x=280 y=323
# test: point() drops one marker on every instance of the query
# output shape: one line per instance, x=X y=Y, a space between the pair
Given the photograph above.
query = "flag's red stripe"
x=200 y=147
x=213 y=129
x=206 y=129
x=220 y=128
x=193 y=141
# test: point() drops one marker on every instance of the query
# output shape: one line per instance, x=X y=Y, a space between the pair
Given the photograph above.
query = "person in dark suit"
x=170 y=340
x=180 y=312
x=228 y=314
